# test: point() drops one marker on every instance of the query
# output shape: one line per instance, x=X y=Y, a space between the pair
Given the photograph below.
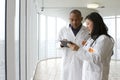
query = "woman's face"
x=89 y=25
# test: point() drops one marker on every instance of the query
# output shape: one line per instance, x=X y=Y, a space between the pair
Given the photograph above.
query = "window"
x=17 y=38
x=48 y=31
x=118 y=38
x=112 y=23
x=2 y=39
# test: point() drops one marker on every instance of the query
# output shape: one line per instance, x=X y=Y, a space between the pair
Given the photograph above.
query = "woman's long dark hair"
x=99 y=26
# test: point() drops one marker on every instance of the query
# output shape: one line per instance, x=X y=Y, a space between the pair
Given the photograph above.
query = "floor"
x=50 y=70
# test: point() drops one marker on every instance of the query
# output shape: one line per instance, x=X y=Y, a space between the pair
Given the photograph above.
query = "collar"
x=76 y=28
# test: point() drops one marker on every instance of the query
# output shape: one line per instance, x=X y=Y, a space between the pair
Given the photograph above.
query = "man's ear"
x=81 y=18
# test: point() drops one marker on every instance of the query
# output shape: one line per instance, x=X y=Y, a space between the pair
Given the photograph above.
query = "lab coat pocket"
x=93 y=75
x=94 y=67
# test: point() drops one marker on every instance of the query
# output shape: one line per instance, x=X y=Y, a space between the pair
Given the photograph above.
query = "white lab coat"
x=96 y=64
x=72 y=65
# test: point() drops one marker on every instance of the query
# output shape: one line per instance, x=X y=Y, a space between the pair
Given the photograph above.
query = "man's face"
x=75 y=20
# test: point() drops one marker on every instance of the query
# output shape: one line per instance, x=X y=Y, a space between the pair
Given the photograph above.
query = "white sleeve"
x=60 y=37
x=61 y=34
x=102 y=49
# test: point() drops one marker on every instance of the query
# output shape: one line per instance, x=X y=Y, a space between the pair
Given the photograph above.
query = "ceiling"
x=111 y=7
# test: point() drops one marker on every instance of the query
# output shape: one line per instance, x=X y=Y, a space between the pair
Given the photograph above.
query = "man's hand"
x=63 y=43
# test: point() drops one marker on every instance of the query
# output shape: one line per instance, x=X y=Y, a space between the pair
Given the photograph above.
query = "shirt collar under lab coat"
x=75 y=31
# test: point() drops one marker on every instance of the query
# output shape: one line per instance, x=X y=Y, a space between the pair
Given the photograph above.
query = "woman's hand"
x=73 y=46
x=83 y=42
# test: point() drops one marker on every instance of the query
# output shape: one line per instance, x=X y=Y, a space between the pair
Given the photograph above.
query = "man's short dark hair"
x=75 y=11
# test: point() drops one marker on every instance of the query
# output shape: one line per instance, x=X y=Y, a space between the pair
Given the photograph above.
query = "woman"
x=97 y=51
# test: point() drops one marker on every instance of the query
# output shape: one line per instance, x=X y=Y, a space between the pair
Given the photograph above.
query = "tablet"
x=64 y=43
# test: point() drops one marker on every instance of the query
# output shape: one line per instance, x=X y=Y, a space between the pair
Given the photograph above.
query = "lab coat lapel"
x=71 y=34
x=79 y=33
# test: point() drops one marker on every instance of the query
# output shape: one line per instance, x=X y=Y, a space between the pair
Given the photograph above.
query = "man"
x=74 y=33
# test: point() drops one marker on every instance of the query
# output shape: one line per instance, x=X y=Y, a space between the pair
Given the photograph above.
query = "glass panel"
x=2 y=39
x=42 y=40
x=49 y=29
x=110 y=22
x=60 y=24
x=17 y=38
x=118 y=16
x=118 y=38
x=109 y=17
x=51 y=37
